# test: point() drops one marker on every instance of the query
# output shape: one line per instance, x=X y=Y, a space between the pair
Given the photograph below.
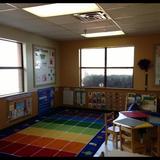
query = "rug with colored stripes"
x=66 y=133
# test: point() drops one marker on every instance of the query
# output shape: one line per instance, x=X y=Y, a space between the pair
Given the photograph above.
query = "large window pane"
x=92 y=77
x=119 y=78
x=10 y=54
x=117 y=63
x=10 y=81
x=120 y=57
x=93 y=57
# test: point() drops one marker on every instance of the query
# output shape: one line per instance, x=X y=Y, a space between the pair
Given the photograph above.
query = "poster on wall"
x=80 y=96
x=157 y=65
x=145 y=102
x=20 y=108
x=97 y=100
x=44 y=65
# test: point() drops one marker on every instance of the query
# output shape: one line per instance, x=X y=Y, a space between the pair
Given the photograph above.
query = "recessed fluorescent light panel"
x=58 y=9
x=102 y=34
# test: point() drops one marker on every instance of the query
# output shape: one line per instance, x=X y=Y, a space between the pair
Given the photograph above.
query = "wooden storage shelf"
x=115 y=99
x=9 y=105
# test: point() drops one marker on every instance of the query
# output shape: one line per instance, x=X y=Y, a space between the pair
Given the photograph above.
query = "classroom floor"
x=67 y=133
x=110 y=151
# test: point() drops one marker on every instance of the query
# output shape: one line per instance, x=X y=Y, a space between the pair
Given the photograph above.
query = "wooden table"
x=136 y=121
x=130 y=119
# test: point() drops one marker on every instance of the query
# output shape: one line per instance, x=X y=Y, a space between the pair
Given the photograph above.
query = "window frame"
x=21 y=68
x=105 y=67
x=80 y=51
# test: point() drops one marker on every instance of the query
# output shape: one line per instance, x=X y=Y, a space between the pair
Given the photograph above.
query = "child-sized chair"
x=111 y=129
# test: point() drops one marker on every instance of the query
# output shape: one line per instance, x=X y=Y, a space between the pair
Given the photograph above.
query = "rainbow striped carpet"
x=66 y=133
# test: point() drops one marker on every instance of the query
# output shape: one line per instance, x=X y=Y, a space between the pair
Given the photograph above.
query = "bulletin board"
x=44 y=65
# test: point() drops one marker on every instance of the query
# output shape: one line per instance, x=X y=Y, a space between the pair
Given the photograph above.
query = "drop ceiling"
x=132 y=18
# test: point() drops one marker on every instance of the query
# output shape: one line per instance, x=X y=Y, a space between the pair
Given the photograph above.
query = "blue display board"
x=45 y=100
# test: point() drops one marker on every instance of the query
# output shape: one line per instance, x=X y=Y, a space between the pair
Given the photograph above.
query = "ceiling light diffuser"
x=102 y=34
x=58 y=9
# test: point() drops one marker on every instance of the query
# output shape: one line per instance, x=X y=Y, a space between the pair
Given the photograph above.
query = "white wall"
x=28 y=39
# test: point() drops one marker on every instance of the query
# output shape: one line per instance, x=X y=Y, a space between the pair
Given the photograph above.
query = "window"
x=11 y=67
x=107 y=67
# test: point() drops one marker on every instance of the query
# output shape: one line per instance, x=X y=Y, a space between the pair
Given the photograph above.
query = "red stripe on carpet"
x=27 y=151
x=45 y=152
x=4 y=143
x=13 y=147
x=65 y=154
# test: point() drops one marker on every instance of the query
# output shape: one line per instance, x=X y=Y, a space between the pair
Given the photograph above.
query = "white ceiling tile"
x=133 y=18
x=63 y=35
x=115 y=6
x=134 y=10
x=16 y=15
x=23 y=5
x=91 y=27
x=5 y=6
x=66 y=19
x=147 y=19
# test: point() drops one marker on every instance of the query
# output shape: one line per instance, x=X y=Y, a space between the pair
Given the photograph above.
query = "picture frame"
x=44 y=65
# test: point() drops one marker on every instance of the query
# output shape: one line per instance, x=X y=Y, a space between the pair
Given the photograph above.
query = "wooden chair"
x=111 y=129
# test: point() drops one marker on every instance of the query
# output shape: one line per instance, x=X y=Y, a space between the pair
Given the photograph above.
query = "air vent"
x=91 y=16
